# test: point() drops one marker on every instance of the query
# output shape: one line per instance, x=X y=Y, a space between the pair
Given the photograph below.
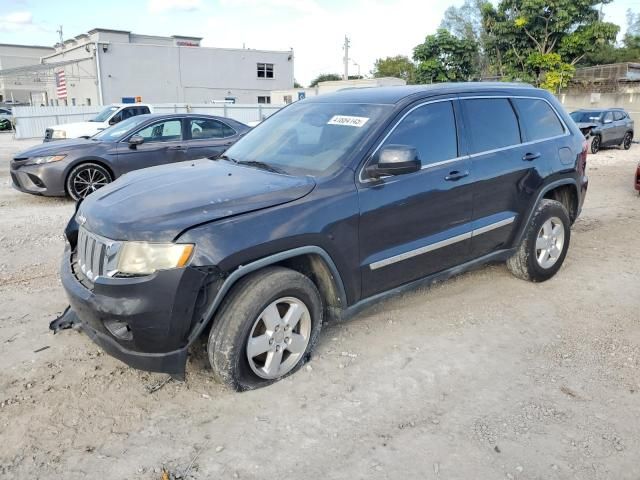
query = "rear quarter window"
x=492 y=124
x=538 y=119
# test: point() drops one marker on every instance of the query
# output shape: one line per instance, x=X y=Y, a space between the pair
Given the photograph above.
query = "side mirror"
x=394 y=160
x=136 y=140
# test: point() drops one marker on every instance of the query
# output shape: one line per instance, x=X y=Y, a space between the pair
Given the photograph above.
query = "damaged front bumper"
x=145 y=322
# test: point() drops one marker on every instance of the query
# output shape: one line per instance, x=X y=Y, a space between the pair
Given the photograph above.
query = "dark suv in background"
x=329 y=205
x=605 y=128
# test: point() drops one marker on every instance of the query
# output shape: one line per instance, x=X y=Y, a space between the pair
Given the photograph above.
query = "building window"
x=264 y=99
x=88 y=102
x=287 y=99
x=265 y=70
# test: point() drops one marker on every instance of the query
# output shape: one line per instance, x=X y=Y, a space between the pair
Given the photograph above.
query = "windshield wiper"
x=262 y=165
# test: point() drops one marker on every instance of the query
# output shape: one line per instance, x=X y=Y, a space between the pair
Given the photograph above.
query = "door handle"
x=528 y=157
x=177 y=147
x=456 y=175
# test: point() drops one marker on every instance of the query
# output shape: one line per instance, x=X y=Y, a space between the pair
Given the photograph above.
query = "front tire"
x=596 y=143
x=545 y=243
x=85 y=179
x=265 y=329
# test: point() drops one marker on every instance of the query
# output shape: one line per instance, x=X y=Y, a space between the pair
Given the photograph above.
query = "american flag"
x=61 y=84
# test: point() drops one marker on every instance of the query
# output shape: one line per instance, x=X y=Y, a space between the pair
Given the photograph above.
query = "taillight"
x=582 y=158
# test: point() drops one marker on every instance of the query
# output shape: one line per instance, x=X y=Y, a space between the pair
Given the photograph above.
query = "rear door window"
x=431 y=129
x=618 y=116
x=492 y=124
x=538 y=119
x=208 y=128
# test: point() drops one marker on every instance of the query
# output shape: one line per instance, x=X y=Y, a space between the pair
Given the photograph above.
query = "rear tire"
x=627 y=140
x=85 y=179
x=545 y=243
x=252 y=344
x=596 y=143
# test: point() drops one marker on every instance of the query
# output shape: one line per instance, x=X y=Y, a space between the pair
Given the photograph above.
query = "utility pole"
x=59 y=32
x=347 y=43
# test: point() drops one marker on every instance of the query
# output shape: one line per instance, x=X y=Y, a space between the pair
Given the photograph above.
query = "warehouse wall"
x=189 y=74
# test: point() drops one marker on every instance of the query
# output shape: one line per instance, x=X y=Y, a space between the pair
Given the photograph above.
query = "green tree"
x=325 y=77
x=399 y=66
x=465 y=22
x=444 y=57
x=533 y=39
x=296 y=84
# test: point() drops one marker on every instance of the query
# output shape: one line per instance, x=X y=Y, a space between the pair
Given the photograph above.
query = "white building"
x=17 y=88
x=284 y=97
x=104 y=66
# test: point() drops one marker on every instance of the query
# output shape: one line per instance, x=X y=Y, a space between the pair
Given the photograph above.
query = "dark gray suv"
x=606 y=128
x=329 y=205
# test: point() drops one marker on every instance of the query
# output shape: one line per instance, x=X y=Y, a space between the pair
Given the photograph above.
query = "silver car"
x=606 y=127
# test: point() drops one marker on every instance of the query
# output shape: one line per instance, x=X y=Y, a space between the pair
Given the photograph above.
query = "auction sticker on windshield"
x=348 y=121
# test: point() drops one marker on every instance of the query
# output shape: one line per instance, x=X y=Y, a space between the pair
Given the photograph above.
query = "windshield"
x=586 y=117
x=308 y=138
x=114 y=133
x=104 y=115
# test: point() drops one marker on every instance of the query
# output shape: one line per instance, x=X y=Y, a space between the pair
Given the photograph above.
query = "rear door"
x=208 y=138
x=417 y=224
x=512 y=144
x=163 y=143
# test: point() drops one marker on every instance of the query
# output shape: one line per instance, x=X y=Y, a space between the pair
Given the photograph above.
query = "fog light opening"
x=119 y=330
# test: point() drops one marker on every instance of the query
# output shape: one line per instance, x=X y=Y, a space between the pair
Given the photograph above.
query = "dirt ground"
x=484 y=376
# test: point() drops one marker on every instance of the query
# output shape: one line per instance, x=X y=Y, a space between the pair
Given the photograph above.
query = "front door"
x=163 y=143
x=417 y=224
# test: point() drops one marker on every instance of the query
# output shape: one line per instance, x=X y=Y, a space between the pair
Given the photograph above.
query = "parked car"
x=109 y=116
x=605 y=128
x=6 y=113
x=329 y=205
x=637 y=178
x=6 y=119
x=80 y=166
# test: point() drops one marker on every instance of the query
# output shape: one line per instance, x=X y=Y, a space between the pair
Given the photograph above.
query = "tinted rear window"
x=538 y=119
x=431 y=129
x=492 y=123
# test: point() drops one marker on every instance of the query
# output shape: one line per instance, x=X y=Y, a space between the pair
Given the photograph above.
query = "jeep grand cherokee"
x=332 y=203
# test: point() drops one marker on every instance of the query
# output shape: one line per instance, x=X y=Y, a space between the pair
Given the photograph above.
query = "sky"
x=315 y=29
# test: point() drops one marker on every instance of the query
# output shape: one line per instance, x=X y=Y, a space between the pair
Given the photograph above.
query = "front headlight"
x=46 y=159
x=141 y=258
x=59 y=134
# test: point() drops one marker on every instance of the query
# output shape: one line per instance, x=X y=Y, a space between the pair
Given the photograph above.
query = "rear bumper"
x=158 y=311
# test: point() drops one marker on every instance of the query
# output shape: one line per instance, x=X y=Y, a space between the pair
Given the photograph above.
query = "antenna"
x=347 y=44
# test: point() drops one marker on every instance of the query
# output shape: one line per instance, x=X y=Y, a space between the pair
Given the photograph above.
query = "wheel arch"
x=549 y=191
x=82 y=161
x=312 y=261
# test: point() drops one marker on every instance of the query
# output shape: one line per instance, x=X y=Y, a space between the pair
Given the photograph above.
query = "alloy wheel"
x=550 y=242
x=88 y=180
x=279 y=337
x=627 y=141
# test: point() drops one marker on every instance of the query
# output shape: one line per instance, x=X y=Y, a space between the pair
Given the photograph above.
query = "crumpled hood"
x=56 y=148
x=582 y=125
x=157 y=203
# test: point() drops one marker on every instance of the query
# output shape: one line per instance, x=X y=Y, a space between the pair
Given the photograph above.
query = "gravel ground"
x=484 y=376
